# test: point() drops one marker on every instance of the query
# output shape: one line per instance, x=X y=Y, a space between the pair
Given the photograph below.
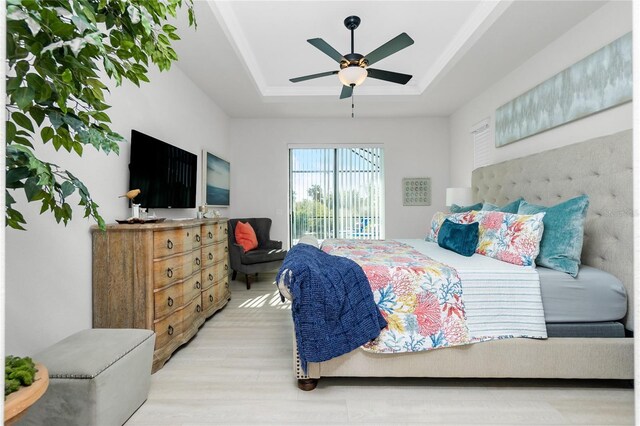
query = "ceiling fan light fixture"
x=352 y=75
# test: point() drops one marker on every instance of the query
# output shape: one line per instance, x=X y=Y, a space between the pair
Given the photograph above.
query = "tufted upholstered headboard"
x=600 y=168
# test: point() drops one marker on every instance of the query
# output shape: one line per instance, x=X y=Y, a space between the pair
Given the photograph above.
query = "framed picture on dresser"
x=216 y=179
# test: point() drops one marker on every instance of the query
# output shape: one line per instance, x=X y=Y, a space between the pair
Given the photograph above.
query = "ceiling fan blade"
x=310 y=76
x=394 y=77
x=347 y=91
x=389 y=48
x=326 y=49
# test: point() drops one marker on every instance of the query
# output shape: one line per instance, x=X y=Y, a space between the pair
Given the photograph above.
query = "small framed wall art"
x=416 y=191
x=216 y=180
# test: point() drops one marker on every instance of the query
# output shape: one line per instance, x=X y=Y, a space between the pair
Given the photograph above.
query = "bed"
x=600 y=168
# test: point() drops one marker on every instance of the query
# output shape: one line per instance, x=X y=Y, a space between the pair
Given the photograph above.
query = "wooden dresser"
x=167 y=277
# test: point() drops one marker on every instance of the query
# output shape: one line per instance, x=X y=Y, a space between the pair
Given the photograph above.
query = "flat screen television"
x=165 y=174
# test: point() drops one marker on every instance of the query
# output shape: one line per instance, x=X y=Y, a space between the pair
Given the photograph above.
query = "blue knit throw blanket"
x=333 y=308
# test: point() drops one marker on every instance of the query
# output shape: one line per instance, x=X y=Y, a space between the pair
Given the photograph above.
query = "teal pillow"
x=561 y=244
x=512 y=207
x=461 y=209
x=458 y=237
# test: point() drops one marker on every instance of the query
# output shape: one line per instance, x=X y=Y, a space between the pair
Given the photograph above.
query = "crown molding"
x=485 y=14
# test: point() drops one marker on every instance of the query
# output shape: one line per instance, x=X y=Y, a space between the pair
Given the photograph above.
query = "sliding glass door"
x=336 y=193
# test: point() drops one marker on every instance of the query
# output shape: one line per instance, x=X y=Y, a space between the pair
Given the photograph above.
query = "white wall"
x=602 y=27
x=413 y=147
x=48 y=267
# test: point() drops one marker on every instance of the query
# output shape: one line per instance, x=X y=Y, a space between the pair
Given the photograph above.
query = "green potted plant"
x=58 y=54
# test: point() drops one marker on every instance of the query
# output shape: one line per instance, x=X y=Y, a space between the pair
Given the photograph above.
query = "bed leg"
x=307 y=384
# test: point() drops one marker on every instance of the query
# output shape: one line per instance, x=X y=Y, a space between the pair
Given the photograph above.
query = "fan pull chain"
x=352 y=106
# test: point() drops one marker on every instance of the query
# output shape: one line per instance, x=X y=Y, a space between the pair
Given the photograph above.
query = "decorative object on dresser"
x=167 y=277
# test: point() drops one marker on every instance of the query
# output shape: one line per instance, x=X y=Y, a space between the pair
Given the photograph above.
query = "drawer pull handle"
x=226 y=267
x=226 y=249
x=210 y=235
x=188 y=234
x=210 y=256
x=169 y=272
x=169 y=244
x=170 y=301
x=198 y=261
x=198 y=284
x=197 y=238
x=170 y=331
x=198 y=308
x=225 y=230
x=210 y=298
x=210 y=277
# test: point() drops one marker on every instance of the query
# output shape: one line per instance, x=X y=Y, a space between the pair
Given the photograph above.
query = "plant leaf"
x=23 y=97
x=37 y=114
x=11 y=132
x=67 y=188
x=22 y=120
x=47 y=134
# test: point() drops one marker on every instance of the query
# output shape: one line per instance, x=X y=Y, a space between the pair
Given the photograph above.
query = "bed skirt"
x=557 y=358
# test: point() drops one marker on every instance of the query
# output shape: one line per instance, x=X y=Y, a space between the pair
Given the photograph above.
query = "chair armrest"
x=235 y=255
x=272 y=245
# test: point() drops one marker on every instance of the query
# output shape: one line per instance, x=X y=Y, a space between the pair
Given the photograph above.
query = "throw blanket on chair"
x=333 y=308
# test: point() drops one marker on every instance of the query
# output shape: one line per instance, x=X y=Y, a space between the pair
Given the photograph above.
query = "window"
x=480 y=133
x=336 y=193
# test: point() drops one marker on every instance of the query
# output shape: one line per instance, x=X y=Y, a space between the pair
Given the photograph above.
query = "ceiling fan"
x=354 y=67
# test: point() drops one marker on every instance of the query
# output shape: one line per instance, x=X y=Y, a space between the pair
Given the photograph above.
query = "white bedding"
x=501 y=299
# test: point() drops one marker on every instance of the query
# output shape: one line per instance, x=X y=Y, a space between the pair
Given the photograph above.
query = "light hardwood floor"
x=238 y=369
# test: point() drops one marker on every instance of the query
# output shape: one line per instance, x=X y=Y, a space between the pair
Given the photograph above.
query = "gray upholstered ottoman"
x=96 y=377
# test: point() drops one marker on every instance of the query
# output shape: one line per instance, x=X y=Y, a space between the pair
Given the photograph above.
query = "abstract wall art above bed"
x=600 y=81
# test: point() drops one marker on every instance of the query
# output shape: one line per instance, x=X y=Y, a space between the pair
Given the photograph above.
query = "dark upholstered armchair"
x=267 y=257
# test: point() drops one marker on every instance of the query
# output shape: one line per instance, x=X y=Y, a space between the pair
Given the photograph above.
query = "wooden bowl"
x=18 y=402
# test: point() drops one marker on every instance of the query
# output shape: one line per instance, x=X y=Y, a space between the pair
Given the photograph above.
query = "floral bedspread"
x=420 y=298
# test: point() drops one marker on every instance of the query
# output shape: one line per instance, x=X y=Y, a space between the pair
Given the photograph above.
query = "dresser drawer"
x=214 y=253
x=221 y=268
x=168 y=329
x=216 y=296
x=208 y=277
x=222 y=291
x=209 y=299
x=174 y=241
x=214 y=273
x=220 y=231
x=176 y=268
x=208 y=233
x=191 y=287
x=194 y=235
x=168 y=300
x=221 y=250
x=170 y=242
x=209 y=255
x=192 y=312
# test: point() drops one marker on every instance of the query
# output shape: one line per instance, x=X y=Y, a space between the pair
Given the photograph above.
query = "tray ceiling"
x=244 y=52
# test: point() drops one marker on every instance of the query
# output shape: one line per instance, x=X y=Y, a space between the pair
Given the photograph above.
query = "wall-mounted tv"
x=165 y=174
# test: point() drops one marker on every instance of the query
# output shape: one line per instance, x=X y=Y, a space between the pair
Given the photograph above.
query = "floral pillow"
x=509 y=237
x=439 y=217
